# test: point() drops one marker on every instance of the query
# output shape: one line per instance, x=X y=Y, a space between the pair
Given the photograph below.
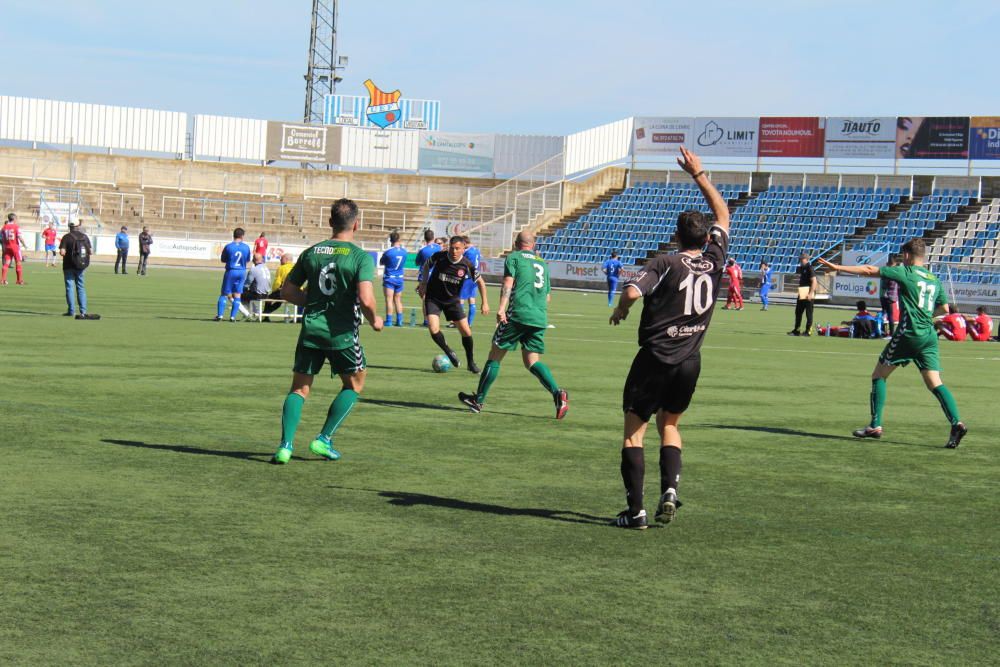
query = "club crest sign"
x=383 y=108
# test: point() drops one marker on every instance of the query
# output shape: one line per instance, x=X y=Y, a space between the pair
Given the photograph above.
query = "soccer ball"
x=441 y=363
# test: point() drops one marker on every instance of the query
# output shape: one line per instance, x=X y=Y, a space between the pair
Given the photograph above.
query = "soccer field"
x=143 y=524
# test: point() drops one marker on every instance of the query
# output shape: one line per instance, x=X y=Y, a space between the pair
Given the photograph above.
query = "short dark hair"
x=343 y=213
x=11 y=216
x=953 y=307
x=981 y=309
x=458 y=239
x=239 y=233
x=692 y=229
x=393 y=237
x=614 y=254
x=915 y=247
x=428 y=235
x=466 y=240
x=861 y=305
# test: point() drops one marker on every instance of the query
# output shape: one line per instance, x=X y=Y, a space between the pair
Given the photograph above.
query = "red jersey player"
x=49 y=235
x=260 y=246
x=12 y=242
x=735 y=296
x=952 y=326
x=980 y=328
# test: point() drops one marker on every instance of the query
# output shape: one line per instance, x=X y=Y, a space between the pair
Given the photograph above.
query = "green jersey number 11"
x=926 y=298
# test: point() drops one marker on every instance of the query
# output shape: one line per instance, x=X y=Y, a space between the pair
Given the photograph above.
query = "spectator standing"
x=807 y=295
x=76 y=249
x=121 y=245
x=260 y=246
x=145 y=242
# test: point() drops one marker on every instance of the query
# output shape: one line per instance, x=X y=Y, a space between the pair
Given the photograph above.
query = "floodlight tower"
x=322 y=72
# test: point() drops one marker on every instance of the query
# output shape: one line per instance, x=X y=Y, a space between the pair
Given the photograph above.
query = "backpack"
x=79 y=255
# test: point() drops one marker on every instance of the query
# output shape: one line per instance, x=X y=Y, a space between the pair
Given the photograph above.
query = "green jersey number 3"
x=539 y=276
x=926 y=299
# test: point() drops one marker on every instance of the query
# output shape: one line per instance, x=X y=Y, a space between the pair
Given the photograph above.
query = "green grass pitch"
x=142 y=524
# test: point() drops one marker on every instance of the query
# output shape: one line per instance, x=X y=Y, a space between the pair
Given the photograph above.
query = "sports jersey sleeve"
x=366 y=269
x=892 y=272
x=942 y=296
x=473 y=271
x=224 y=257
x=508 y=266
x=384 y=259
x=650 y=277
x=297 y=276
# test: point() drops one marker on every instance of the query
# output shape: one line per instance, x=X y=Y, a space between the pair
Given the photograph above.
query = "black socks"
x=670 y=468
x=633 y=473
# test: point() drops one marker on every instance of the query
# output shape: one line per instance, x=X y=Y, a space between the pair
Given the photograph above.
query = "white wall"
x=98 y=125
x=230 y=137
x=515 y=153
x=598 y=146
x=385 y=149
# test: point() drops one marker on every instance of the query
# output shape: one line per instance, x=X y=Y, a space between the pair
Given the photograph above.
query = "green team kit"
x=527 y=320
x=915 y=339
x=527 y=315
x=331 y=270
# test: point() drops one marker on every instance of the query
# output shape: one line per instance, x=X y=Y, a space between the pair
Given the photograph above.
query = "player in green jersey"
x=921 y=297
x=338 y=277
x=522 y=319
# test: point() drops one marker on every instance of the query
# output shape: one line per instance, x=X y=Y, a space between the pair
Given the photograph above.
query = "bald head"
x=525 y=240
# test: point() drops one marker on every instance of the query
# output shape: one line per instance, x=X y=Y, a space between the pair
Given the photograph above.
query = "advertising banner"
x=448 y=151
x=588 y=272
x=184 y=248
x=791 y=137
x=726 y=137
x=973 y=294
x=861 y=137
x=932 y=137
x=984 y=138
x=302 y=143
x=856 y=287
x=61 y=213
x=661 y=136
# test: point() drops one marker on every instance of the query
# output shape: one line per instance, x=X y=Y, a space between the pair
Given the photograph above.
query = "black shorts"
x=453 y=312
x=653 y=385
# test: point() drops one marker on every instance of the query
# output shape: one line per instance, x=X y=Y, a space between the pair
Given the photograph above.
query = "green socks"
x=291 y=413
x=877 y=402
x=339 y=409
x=544 y=375
x=947 y=402
x=491 y=371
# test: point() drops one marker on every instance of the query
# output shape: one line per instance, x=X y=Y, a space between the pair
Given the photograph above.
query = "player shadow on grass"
x=803 y=434
x=258 y=457
x=400 y=368
x=407 y=499
x=438 y=406
x=15 y=311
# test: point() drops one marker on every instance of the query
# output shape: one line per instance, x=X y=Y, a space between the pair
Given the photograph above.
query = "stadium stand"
x=925 y=217
x=973 y=243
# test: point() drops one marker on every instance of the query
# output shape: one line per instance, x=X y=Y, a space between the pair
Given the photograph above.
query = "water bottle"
x=827 y=329
x=413 y=317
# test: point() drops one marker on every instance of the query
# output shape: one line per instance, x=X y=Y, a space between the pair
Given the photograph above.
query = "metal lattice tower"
x=321 y=75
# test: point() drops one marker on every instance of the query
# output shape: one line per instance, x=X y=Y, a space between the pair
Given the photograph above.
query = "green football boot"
x=283 y=455
x=322 y=446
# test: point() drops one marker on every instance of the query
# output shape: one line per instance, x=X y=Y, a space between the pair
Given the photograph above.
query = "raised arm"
x=691 y=163
x=864 y=270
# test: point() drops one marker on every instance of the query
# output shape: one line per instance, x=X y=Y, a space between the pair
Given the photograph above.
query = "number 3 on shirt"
x=539 y=276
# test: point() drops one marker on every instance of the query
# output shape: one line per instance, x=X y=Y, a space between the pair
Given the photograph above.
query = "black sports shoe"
x=473 y=368
x=667 y=507
x=453 y=358
x=218 y=318
x=869 y=432
x=637 y=522
x=794 y=332
x=562 y=403
x=470 y=402
x=958 y=432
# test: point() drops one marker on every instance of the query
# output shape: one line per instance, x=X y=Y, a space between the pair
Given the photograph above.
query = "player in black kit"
x=679 y=292
x=441 y=287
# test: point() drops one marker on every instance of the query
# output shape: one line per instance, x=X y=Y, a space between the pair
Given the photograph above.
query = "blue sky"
x=542 y=66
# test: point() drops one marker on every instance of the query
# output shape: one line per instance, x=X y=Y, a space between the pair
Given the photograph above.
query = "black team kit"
x=444 y=288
